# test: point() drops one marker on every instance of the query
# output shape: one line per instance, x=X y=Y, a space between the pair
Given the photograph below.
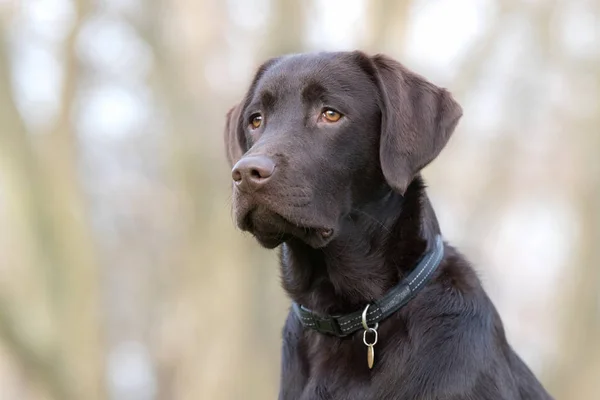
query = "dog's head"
x=318 y=135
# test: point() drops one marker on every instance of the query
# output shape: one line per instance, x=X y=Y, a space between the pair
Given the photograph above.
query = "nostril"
x=236 y=175
x=256 y=174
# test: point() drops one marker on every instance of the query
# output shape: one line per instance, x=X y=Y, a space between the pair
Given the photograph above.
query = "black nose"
x=253 y=172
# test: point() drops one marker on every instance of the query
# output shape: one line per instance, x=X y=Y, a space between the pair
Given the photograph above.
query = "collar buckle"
x=327 y=324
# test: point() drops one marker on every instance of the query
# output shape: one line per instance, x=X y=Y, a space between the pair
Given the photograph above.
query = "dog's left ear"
x=417 y=121
x=233 y=136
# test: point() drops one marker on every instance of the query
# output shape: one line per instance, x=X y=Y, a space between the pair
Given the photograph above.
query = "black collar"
x=392 y=301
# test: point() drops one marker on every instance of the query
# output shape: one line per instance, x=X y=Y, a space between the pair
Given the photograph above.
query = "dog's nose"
x=252 y=172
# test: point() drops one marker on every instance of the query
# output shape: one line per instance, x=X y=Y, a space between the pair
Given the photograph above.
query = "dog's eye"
x=331 y=115
x=256 y=121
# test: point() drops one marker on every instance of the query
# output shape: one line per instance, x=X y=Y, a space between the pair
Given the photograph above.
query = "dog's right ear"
x=235 y=140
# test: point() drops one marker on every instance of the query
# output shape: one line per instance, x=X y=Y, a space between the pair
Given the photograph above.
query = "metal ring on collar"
x=365 y=337
x=364 y=320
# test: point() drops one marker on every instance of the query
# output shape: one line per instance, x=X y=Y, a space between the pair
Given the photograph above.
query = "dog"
x=326 y=151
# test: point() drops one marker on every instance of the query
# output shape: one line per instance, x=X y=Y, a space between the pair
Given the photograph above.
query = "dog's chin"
x=271 y=230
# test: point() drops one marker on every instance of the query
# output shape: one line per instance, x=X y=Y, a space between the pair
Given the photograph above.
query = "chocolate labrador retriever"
x=326 y=150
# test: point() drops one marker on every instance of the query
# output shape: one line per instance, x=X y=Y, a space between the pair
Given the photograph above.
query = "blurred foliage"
x=121 y=273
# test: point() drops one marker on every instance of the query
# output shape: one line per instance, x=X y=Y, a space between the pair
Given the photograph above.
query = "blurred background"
x=121 y=273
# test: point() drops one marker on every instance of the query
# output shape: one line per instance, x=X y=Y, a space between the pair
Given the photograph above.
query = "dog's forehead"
x=295 y=72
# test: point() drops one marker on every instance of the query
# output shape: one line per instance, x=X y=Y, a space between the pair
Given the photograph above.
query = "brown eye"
x=331 y=115
x=256 y=121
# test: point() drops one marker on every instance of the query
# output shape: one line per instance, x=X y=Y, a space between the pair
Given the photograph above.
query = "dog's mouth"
x=271 y=229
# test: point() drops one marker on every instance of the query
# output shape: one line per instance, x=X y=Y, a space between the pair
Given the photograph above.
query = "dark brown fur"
x=346 y=202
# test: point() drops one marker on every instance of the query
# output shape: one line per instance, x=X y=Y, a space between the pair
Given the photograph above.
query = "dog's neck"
x=376 y=246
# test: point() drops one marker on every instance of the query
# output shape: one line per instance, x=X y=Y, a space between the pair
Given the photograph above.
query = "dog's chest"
x=339 y=370
x=334 y=389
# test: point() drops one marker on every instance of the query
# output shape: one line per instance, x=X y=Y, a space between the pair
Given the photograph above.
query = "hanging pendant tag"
x=370 y=346
x=370 y=356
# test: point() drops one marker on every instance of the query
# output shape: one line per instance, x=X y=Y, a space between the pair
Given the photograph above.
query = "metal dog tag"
x=370 y=355
x=370 y=346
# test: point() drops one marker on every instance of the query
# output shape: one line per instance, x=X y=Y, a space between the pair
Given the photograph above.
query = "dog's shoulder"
x=456 y=334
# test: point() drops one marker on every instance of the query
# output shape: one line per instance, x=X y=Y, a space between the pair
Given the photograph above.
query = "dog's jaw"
x=271 y=230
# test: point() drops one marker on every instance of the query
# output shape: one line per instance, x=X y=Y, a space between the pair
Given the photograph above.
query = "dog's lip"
x=246 y=223
x=325 y=232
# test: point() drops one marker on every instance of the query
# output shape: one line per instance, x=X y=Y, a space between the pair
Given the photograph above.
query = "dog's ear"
x=417 y=121
x=235 y=140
